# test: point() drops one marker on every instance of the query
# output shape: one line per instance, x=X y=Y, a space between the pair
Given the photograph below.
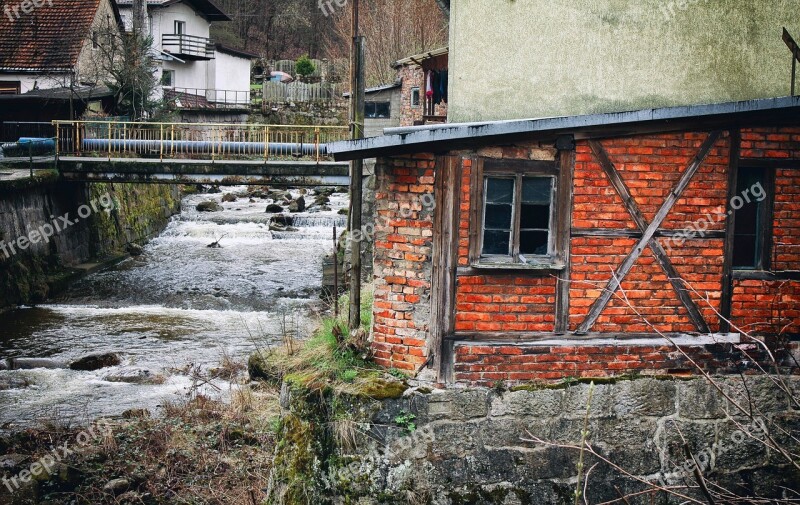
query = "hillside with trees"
x=288 y=29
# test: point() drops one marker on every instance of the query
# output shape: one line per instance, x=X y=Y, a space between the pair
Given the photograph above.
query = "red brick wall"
x=525 y=301
x=414 y=77
x=488 y=365
x=774 y=306
x=650 y=166
x=402 y=269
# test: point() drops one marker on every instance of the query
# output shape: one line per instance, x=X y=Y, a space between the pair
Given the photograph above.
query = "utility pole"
x=357 y=97
x=139 y=18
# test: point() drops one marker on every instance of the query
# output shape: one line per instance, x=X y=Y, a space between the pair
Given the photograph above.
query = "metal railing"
x=196 y=98
x=188 y=45
x=195 y=141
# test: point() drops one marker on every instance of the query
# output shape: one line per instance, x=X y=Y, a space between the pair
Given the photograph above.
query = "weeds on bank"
x=333 y=358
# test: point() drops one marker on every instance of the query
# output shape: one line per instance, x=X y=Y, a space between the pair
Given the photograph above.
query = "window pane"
x=533 y=242
x=499 y=190
x=748 y=240
x=537 y=190
x=535 y=216
x=498 y=216
x=496 y=242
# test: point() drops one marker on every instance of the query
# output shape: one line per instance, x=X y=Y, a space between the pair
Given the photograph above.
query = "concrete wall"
x=474 y=446
x=35 y=273
x=524 y=58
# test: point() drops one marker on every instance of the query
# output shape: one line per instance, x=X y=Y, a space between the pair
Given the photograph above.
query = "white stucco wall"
x=231 y=73
x=513 y=59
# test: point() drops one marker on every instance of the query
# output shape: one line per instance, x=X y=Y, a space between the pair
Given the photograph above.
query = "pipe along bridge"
x=191 y=153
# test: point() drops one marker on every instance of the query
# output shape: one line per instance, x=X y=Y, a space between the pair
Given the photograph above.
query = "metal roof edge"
x=454 y=132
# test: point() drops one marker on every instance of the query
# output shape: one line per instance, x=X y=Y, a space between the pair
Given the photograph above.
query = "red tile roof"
x=49 y=38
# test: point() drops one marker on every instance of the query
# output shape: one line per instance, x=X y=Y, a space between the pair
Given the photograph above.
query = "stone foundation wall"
x=471 y=446
x=35 y=273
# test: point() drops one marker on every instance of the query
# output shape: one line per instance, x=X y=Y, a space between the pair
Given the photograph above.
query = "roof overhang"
x=448 y=137
x=421 y=57
x=207 y=8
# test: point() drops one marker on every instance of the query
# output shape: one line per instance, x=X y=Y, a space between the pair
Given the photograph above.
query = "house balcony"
x=188 y=47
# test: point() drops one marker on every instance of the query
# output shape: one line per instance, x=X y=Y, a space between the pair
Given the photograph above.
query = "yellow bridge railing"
x=200 y=141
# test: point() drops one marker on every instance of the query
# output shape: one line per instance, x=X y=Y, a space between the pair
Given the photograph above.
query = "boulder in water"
x=298 y=205
x=135 y=250
x=322 y=200
x=274 y=208
x=31 y=363
x=282 y=219
x=3 y=366
x=136 y=376
x=276 y=227
x=209 y=206
x=96 y=362
x=229 y=197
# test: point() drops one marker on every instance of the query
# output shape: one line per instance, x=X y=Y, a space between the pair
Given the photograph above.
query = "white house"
x=196 y=73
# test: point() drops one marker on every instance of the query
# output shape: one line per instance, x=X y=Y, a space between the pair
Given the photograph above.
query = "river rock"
x=9 y=383
x=136 y=376
x=3 y=366
x=96 y=362
x=135 y=250
x=31 y=363
x=322 y=200
x=229 y=197
x=274 y=208
x=209 y=206
x=282 y=219
x=213 y=190
x=298 y=205
x=117 y=486
x=276 y=227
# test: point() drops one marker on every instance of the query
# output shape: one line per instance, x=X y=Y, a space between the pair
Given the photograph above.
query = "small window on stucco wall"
x=415 y=97
x=514 y=213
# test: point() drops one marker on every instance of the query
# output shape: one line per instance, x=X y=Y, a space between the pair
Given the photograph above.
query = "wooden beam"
x=631 y=233
x=784 y=163
x=655 y=246
x=647 y=235
x=524 y=338
x=730 y=223
x=760 y=275
x=444 y=259
x=566 y=161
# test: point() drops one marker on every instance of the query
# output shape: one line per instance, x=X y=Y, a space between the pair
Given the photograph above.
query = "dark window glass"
x=377 y=110
x=535 y=215
x=414 y=97
x=498 y=216
x=748 y=235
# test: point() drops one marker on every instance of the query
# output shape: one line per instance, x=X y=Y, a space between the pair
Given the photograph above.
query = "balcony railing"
x=188 y=46
x=203 y=99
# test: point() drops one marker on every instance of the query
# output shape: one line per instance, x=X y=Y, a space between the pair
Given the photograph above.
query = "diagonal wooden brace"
x=647 y=234
x=655 y=246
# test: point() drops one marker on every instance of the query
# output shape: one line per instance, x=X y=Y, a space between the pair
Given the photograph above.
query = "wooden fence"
x=278 y=92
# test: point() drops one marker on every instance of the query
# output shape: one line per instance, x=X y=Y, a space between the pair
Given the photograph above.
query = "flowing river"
x=180 y=308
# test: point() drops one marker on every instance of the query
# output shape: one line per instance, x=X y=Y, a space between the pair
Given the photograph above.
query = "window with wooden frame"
x=514 y=217
x=753 y=204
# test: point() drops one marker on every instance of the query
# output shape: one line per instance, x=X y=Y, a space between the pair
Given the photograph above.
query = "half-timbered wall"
x=667 y=195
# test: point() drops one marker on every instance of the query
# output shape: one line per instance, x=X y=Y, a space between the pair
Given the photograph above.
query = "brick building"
x=642 y=242
x=416 y=108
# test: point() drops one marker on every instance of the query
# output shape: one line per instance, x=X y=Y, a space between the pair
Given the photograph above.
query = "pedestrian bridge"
x=190 y=153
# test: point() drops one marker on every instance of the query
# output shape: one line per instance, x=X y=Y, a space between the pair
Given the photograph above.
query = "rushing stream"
x=180 y=305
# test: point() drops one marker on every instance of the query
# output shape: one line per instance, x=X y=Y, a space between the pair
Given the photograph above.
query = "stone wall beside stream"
x=36 y=273
x=468 y=446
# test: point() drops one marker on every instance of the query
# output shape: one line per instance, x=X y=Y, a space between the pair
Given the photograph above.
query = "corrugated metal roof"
x=440 y=138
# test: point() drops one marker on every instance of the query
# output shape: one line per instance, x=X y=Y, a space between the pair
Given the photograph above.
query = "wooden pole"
x=357 y=98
